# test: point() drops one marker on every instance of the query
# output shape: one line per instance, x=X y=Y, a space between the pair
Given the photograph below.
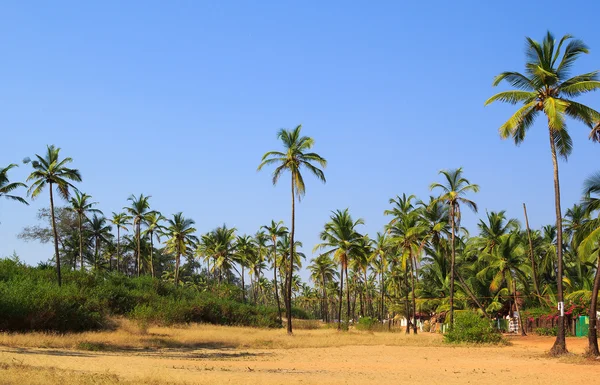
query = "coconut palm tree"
x=381 y=248
x=549 y=88
x=181 y=239
x=121 y=221
x=153 y=221
x=453 y=193
x=245 y=251
x=81 y=205
x=51 y=171
x=261 y=239
x=139 y=208
x=275 y=231
x=293 y=160
x=589 y=246
x=7 y=187
x=99 y=231
x=341 y=239
x=322 y=270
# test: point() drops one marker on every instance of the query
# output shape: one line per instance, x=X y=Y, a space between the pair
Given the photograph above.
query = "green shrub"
x=471 y=327
x=366 y=323
x=546 y=331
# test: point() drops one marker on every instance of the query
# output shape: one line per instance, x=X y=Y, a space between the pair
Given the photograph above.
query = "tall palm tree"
x=81 y=205
x=7 y=187
x=51 y=171
x=181 y=240
x=293 y=160
x=153 y=221
x=322 y=270
x=588 y=246
x=120 y=220
x=341 y=239
x=453 y=193
x=100 y=231
x=275 y=231
x=548 y=88
x=139 y=208
x=245 y=250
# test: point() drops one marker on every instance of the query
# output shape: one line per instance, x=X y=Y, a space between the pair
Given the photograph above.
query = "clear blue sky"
x=179 y=100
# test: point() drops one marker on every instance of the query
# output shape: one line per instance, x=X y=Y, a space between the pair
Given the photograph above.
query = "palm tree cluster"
x=422 y=262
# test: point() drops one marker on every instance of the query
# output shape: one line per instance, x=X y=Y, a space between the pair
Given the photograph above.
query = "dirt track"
x=524 y=362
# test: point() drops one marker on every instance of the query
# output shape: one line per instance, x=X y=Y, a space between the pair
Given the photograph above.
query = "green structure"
x=581 y=326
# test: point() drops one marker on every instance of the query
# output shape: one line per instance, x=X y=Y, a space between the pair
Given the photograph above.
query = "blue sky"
x=179 y=100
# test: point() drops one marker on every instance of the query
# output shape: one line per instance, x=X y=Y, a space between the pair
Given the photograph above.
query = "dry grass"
x=18 y=374
x=128 y=336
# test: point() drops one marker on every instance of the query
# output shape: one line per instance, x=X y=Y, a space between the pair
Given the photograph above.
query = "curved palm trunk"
x=341 y=296
x=468 y=290
x=291 y=265
x=533 y=267
x=137 y=231
x=80 y=242
x=452 y=261
x=55 y=232
x=275 y=277
x=593 y=332
x=560 y=345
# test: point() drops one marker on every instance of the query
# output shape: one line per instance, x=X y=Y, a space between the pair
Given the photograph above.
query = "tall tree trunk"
x=96 y=253
x=80 y=242
x=532 y=257
x=517 y=308
x=55 y=232
x=347 y=293
x=560 y=345
x=468 y=290
x=243 y=285
x=414 y=299
x=275 y=277
x=406 y=302
x=177 y=261
x=593 y=332
x=325 y=302
x=118 y=248
x=152 y=253
x=382 y=290
x=452 y=261
x=367 y=295
x=291 y=265
x=137 y=235
x=341 y=296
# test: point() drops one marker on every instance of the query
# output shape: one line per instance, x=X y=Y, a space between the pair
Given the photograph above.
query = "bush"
x=546 y=331
x=366 y=323
x=472 y=328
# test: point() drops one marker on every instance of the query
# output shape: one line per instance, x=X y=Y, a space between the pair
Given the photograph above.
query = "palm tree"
x=100 y=231
x=293 y=160
x=261 y=239
x=322 y=270
x=153 y=222
x=81 y=205
x=120 y=220
x=453 y=193
x=341 y=239
x=548 y=88
x=7 y=187
x=140 y=207
x=275 y=231
x=181 y=239
x=245 y=250
x=588 y=246
x=380 y=250
x=51 y=171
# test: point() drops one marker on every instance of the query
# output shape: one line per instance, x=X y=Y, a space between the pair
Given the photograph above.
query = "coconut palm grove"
x=426 y=273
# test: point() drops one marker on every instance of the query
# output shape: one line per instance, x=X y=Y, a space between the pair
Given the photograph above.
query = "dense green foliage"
x=472 y=328
x=30 y=299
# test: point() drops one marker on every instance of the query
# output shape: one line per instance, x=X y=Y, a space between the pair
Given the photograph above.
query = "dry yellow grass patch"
x=128 y=336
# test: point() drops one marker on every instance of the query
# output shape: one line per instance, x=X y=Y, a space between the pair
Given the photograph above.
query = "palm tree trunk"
x=80 y=242
x=367 y=295
x=177 y=267
x=96 y=253
x=152 y=253
x=275 y=277
x=382 y=290
x=468 y=290
x=452 y=261
x=517 y=307
x=593 y=332
x=118 y=248
x=347 y=294
x=341 y=296
x=291 y=266
x=55 y=232
x=414 y=299
x=533 y=267
x=560 y=345
x=137 y=231
x=325 y=309
x=406 y=302
x=243 y=285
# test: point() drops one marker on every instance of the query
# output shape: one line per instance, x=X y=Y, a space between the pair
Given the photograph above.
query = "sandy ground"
x=524 y=362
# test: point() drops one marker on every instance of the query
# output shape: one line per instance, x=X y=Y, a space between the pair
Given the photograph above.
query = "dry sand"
x=525 y=362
